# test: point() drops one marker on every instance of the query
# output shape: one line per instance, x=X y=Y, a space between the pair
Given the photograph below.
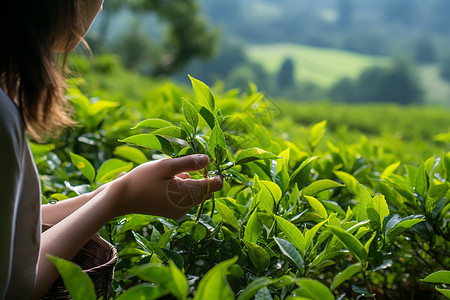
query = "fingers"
x=215 y=184
x=190 y=192
x=174 y=166
x=183 y=175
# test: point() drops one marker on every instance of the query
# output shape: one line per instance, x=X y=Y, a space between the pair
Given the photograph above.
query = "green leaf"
x=252 y=229
x=174 y=257
x=317 y=132
x=203 y=94
x=291 y=252
x=348 y=273
x=171 y=131
x=420 y=182
x=263 y=294
x=208 y=117
x=365 y=202
x=301 y=167
x=259 y=257
x=227 y=214
x=313 y=289
x=350 y=242
x=390 y=170
x=401 y=226
x=292 y=233
x=131 y=154
x=111 y=168
x=251 y=154
x=214 y=284
x=317 y=206
x=190 y=114
x=254 y=286
x=349 y=180
x=380 y=205
x=75 y=280
x=442 y=276
x=135 y=222
x=319 y=186
x=151 y=141
x=309 y=234
x=217 y=145
x=83 y=165
x=143 y=292
x=445 y=292
x=153 y=123
x=143 y=242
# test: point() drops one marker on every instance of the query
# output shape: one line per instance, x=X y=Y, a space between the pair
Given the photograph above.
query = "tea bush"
x=304 y=218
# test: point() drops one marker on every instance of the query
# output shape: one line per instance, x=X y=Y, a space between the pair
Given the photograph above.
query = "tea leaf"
x=259 y=257
x=75 y=280
x=227 y=214
x=251 y=154
x=291 y=252
x=214 y=284
x=317 y=206
x=313 y=289
x=350 y=242
x=153 y=123
x=171 y=131
x=293 y=234
x=203 y=94
x=254 y=286
x=365 y=202
x=131 y=154
x=348 y=273
x=190 y=114
x=83 y=165
x=438 y=277
x=111 y=168
x=401 y=226
x=252 y=229
x=151 y=141
x=301 y=167
x=319 y=186
x=143 y=291
x=349 y=180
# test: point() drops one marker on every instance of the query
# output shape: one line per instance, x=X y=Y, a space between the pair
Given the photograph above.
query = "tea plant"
x=295 y=219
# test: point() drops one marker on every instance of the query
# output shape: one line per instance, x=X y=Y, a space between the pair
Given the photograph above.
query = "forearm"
x=68 y=236
x=54 y=213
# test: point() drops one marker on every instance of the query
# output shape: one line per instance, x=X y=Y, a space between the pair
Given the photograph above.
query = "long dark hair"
x=30 y=72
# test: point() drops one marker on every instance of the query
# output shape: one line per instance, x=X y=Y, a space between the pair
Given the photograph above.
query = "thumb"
x=173 y=166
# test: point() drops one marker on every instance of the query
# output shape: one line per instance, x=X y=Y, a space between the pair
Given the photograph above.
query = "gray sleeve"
x=11 y=154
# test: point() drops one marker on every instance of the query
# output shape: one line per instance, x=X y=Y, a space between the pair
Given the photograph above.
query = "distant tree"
x=345 y=10
x=423 y=50
x=343 y=91
x=188 y=35
x=286 y=74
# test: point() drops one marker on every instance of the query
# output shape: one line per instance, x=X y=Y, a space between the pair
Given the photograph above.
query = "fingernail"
x=202 y=160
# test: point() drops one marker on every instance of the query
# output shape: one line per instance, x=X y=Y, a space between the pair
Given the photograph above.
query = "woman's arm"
x=152 y=188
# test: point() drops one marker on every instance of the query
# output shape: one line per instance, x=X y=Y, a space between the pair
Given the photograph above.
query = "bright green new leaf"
x=254 y=286
x=291 y=252
x=390 y=170
x=143 y=242
x=369 y=242
x=420 y=182
x=445 y=292
x=131 y=154
x=252 y=229
x=319 y=186
x=301 y=167
x=190 y=114
x=77 y=282
x=172 y=132
x=271 y=190
x=349 y=180
x=180 y=280
x=143 y=292
x=348 y=273
x=83 y=165
x=214 y=284
x=350 y=242
x=381 y=207
x=292 y=233
x=313 y=289
x=111 y=168
x=227 y=215
x=317 y=206
x=203 y=94
x=135 y=222
x=151 y=141
x=153 y=123
x=438 y=277
x=317 y=132
x=309 y=234
x=39 y=150
x=259 y=257
x=365 y=202
x=251 y=154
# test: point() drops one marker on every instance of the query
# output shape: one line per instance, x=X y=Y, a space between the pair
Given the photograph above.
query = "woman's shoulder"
x=11 y=124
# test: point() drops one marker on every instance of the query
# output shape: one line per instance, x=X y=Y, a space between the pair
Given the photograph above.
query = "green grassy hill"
x=319 y=65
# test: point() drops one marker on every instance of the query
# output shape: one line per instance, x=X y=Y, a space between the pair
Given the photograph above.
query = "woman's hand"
x=163 y=188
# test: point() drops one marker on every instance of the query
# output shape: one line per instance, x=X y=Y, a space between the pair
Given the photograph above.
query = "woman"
x=32 y=103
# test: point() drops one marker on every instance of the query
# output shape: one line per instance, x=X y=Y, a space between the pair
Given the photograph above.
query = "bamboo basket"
x=97 y=258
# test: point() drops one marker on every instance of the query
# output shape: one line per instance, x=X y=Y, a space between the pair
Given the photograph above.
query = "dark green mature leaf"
x=291 y=252
x=401 y=226
x=143 y=292
x=420 y=182
x=190 y=114
x=348 y=273
x=313 y=289
x=135 y=222
x=442 y=276
x=153 y=123
x=214 y=284
x=259 y=257
x=293 y=234
x=83 y=165
x=131 y=154
x=175 y=257
x=301 y=167
x=350 y=242
x=254 y=286
x=203 y=94
x=207 y=116
x=319 y=186
x=251 y=154
x=75 y=280
x=151 y=141
x=263 y=294
x=171 y=131
x=143 y=242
